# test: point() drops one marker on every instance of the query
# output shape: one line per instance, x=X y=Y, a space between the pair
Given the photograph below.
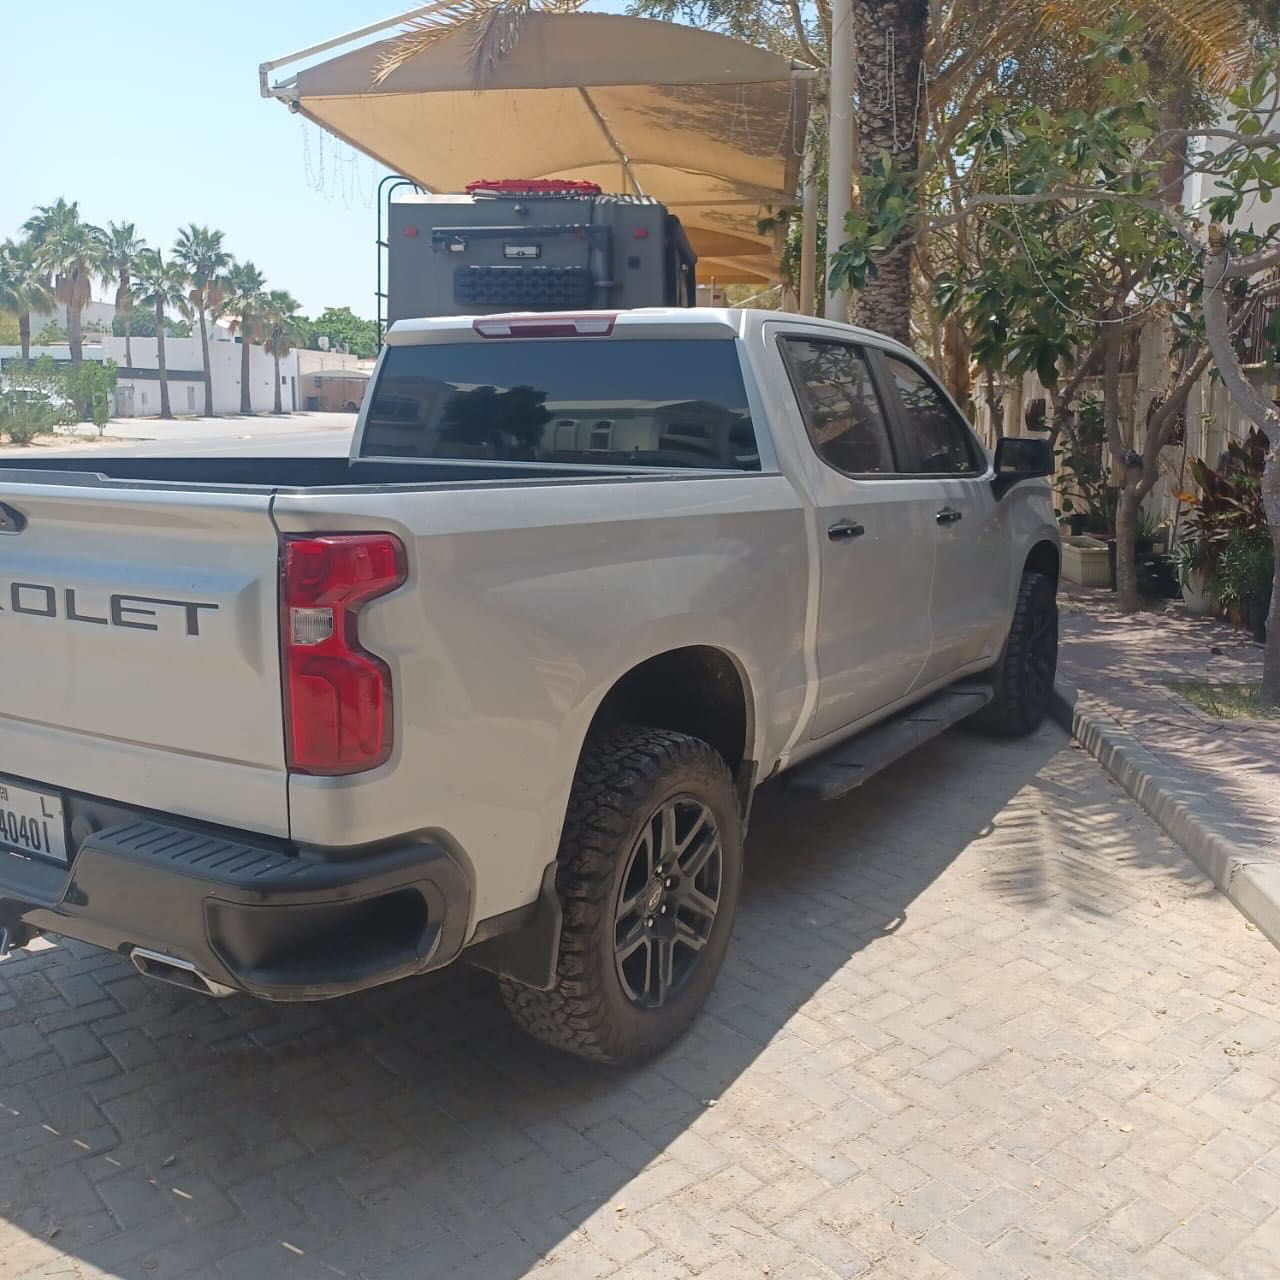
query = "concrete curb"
x=1248 y=874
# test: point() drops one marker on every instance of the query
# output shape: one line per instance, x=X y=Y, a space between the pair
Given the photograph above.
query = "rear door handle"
x=949 y=515
x=843 y=530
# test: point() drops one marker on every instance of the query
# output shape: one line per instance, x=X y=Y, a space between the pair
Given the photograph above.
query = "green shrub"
x=23 y=417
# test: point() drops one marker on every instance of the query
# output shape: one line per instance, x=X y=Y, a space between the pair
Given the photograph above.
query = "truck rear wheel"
x=650 y=873
x=1023 y=678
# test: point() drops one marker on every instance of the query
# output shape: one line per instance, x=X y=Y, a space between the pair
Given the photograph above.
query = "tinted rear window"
x=598 y=401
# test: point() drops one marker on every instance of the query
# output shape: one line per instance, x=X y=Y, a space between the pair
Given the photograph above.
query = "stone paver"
x=1230 y=769
x=1211 y=784
x=982 y=1020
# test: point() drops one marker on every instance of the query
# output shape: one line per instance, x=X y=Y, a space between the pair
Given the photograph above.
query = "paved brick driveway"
x=982 y=1020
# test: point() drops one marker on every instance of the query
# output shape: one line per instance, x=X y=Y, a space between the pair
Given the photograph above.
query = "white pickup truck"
x=500 y=686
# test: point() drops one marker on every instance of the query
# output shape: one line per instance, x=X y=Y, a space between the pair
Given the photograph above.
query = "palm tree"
x=889 y=37
x=282 y=331
x=200 y=253
x=121 y=246
x=23 y=288
x=161 y=285
x=68 y=249
x=243 y=306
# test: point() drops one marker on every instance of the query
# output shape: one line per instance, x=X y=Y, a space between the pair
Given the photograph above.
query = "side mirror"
x=1017 y=459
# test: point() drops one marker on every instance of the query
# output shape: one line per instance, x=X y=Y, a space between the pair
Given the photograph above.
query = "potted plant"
x=1191 y=561
x=1153 y=534
x=1088 y=501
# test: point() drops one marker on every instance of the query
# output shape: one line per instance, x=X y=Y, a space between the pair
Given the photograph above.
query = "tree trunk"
x=24 y=335
x=1175 y=113
x=955 y=349
x=889 y=42
x=165 y=411
x=1271 y=502
x=1127 y=499
x=204 y=351
x=246 y=402
x=275 y=355
x=1127 y=506
x=74 y=337
x=995 y=405
x=128 y=338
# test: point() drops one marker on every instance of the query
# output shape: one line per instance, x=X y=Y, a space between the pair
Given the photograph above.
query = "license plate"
x=31 y=822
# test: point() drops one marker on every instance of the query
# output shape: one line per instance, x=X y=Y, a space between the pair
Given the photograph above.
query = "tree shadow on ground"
x=413 y=1132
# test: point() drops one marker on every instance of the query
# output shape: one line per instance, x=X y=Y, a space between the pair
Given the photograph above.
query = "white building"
x=138 y=392
x=138 y=386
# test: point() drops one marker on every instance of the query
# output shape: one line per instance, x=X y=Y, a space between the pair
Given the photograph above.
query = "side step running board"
x=848 y=765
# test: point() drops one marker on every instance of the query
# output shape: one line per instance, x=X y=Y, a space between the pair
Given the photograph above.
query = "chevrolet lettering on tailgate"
x=141 y=613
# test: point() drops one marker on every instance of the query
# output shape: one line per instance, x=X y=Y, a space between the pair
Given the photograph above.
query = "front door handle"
x=843 y=530
x=949 y=515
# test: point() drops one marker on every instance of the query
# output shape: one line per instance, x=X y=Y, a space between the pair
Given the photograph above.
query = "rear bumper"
x=253 y=916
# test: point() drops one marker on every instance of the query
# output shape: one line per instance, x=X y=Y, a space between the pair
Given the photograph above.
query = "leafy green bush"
x=52 y=335
x=1244 y=571
x=1228 y=527
x=1085 y=480
x=90 y=387
x=25 y=415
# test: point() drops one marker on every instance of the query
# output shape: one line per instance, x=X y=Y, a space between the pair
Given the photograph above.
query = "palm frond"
x=427 y=29
x=493 y=28
x=496 y=34
x=1211 y=39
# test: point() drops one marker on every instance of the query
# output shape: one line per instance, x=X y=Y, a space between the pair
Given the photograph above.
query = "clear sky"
x=148 y=111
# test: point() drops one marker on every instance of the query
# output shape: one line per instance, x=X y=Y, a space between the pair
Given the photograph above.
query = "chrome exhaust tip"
x=177 y=973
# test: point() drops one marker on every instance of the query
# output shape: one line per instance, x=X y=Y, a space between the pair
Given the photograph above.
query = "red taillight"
x=338 y=716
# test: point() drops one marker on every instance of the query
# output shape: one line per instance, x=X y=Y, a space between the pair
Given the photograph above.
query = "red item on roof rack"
x=535 y=186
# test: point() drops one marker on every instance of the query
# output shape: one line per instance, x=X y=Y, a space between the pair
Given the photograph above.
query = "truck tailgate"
x=139 y=652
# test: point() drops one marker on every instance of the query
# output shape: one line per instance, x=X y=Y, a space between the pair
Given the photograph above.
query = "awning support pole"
x=265 y=68
x=839 y=146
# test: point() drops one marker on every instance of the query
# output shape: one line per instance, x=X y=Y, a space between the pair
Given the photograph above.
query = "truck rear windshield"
x=596 y=401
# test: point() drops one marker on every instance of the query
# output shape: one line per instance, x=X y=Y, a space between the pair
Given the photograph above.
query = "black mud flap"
x=528 y=951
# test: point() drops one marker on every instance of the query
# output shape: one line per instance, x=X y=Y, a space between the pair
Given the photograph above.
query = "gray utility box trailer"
x=497 y=250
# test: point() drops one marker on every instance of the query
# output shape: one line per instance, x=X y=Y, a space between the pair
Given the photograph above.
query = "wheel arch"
x=701 y=690
x=1044 y=558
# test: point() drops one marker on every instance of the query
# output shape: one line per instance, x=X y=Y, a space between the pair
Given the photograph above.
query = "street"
x=296 y=435
x=979 y=1019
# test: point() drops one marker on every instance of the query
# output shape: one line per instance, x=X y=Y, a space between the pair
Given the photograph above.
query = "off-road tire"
x=1023 y=678
x=624 y=778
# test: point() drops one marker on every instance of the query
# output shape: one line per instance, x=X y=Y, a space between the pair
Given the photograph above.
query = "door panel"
x=970 y=590
x=876 y=542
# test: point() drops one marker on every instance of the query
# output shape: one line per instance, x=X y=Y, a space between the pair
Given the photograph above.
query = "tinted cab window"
x=841 y=410
x=938 y=439
x=614 y=402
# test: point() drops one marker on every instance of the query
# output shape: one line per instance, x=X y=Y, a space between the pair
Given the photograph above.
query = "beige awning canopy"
x=709 y=125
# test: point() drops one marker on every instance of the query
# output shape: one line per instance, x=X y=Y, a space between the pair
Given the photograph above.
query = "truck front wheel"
x=650 y=872
x=1023 y=678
